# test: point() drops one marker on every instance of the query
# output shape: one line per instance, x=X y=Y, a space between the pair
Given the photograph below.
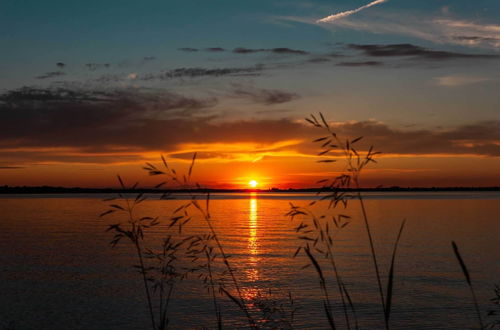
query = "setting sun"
x=253 y=183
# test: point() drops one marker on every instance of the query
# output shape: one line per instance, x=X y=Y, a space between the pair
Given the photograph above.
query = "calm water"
x=59 y=272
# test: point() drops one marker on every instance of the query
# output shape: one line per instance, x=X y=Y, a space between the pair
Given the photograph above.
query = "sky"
x=92 y=89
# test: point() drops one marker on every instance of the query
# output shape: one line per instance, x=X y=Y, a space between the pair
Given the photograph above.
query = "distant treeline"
x=77 y=190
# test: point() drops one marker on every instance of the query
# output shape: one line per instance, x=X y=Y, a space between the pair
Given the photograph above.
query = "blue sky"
x=36 y=35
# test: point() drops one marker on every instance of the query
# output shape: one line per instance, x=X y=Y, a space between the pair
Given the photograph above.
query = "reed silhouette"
x=317 y=232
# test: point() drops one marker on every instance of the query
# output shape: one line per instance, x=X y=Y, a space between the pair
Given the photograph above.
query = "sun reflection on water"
x=252 y=270
x=253 y=226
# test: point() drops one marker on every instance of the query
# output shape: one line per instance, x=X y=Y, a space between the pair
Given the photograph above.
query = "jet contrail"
x=349 y=12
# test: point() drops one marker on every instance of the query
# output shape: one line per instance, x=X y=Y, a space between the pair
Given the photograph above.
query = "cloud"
x=60 y=65
x=409 y=50
x=480 y=138
x=431 y=27
x=180 y=73
x=91 y=119
x=11 y=167
x=51 y=75
x=343 y=14
x=203 y=72
x=319 y=60
x=470 y=25
x=127 y=125
x=188 y=49
x=288 y=51
x=477 y=40
x=149 y=58
x=215 y=49
x=209 y=49
x=281 y=50
x=365 y=63
x=96 y=66
x=456 y=80
x=471 y=33
x=264 y=96
x=242 y=50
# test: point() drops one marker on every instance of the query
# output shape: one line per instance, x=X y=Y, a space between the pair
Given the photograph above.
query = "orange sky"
x=280 y=165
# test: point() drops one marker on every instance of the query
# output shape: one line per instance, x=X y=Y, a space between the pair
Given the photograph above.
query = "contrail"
x=343 y=14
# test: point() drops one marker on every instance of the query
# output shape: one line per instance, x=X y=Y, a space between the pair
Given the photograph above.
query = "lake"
x=58 y=270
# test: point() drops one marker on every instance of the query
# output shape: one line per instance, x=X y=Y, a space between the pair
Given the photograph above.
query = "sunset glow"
x=253 y=183
x=79 y=117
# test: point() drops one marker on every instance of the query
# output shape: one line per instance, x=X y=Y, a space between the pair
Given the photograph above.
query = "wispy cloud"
x=279 y=50
x=203 y=72
x=471 y=33
x=363 y=63
x=215 y=49
x=435 y=28
x=263 y=96
x=96 y=66
x=188 y=49
x=406 y=50
x=454 y=81
x=346 y=13
x=51 y=74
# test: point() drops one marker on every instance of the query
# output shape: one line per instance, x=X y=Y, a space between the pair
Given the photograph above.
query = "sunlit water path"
x=59 y=272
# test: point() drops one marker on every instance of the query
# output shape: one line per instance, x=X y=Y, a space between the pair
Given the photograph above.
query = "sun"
x=253 y=183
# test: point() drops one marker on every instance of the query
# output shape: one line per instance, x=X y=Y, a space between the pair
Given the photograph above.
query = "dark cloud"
x=478 y=138
x=215 y=49
x=97 y=66
x=51 y=75
x=149 y=58
x=203 y=72
x=241 y=50
x=289 y=51
x=365 y=63
x=62 y=117
x=188 y=49
x=405 y=50
x=60 y=65
x=319 y=60
x=119 y=125
x=264 y=96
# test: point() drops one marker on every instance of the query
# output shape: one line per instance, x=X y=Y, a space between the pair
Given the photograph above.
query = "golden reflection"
x=252 y=226
x=252 y=270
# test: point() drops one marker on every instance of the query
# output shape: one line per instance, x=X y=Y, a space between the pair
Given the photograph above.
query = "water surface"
x=59 y=272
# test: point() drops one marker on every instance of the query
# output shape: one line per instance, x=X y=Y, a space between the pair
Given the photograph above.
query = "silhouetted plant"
x=318 y=236
x=161 y=272
x=466 y=273
x=276 y=312
x=205 y=249
x=494 y=314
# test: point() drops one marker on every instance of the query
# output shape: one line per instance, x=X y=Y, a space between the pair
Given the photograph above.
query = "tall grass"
x=206 y=247
x=319 y=235
x=466 y=273
x=159 y=270
x=317 y=232
x=494 y=313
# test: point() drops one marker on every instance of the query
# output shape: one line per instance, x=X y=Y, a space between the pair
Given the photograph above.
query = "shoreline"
x=78 y=190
